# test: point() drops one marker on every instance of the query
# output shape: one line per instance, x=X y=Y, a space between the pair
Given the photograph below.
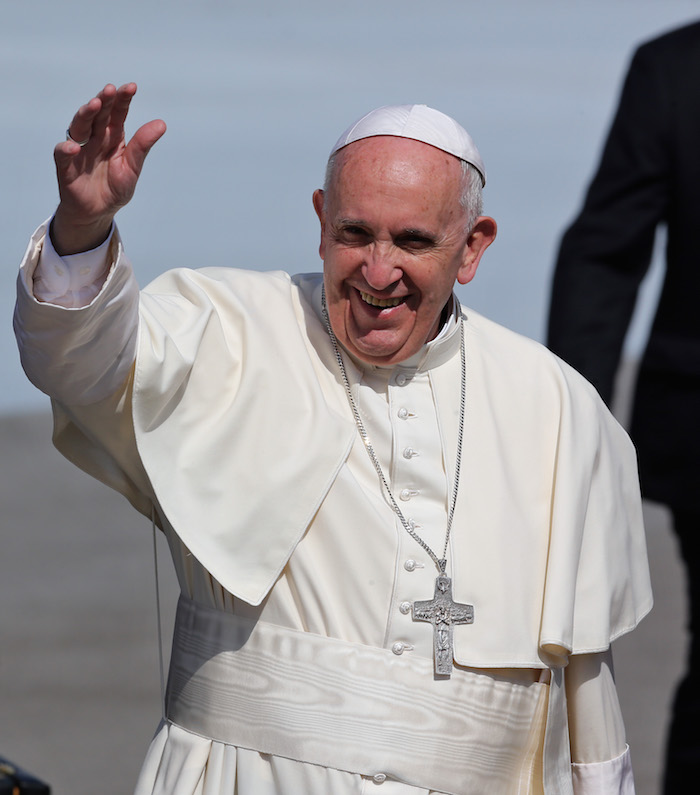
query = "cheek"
x=337 y=267
x=435 y=287
x=433 y=282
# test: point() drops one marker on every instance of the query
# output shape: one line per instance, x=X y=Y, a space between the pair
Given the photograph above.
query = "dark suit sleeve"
x=607 y=250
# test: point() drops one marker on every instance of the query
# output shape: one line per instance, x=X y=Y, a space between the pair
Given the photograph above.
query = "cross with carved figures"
x=443 y=613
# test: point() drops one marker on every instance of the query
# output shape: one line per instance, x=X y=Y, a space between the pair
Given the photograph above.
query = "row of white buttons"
x=410 y=565
x=405 y=607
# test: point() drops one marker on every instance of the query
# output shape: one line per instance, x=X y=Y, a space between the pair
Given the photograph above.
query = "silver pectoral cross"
x=443 y=613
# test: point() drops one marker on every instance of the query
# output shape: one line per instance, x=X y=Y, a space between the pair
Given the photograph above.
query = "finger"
x=122 y=101
x=80 y=127
x=114 y=112
x=64 y=153
x=66 y=156
x=101 y=120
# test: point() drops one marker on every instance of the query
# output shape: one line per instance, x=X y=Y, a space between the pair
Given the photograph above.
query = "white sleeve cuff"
x=613 y=777
x=81 y=354
x=74 y=280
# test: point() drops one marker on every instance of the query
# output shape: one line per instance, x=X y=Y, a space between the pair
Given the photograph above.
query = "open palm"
x=99 y=177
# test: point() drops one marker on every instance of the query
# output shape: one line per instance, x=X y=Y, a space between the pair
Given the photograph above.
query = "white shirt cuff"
x=613 y=777
x=73 y=280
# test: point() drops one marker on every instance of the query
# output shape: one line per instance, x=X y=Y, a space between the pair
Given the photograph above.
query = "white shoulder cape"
x=237 y=404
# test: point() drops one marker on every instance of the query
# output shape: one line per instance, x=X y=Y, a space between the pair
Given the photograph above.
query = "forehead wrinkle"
x=384 y=154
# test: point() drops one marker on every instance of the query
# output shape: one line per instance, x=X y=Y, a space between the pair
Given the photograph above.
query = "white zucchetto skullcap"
x=420 y=123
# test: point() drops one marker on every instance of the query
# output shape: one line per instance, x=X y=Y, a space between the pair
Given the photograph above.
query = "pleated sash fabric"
x=353 y=707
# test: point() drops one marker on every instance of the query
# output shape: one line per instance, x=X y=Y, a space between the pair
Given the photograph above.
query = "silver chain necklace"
x=441 y=611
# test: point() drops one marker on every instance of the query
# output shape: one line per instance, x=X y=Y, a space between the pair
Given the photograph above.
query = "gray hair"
x=471 y=199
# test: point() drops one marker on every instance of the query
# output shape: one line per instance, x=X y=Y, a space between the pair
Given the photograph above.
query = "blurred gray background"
x=254 y=95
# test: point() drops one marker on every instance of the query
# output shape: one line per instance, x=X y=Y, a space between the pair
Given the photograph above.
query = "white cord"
x=160 y=623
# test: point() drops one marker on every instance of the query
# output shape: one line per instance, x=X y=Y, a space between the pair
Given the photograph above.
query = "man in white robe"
x=215 y=401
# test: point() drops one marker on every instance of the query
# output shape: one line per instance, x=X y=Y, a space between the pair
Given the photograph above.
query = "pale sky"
x=256 y=93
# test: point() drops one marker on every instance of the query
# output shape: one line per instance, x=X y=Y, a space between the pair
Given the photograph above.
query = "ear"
x=480 y=238
x=319 y=201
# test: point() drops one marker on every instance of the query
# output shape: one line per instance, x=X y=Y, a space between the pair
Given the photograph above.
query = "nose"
x=380 y=269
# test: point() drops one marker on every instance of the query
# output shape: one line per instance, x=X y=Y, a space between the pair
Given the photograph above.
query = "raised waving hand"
x=97 y=169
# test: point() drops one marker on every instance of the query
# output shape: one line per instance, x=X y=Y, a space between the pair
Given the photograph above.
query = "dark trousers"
x=682 y=772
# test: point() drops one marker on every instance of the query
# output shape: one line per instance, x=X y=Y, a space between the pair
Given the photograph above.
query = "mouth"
x=381 y=303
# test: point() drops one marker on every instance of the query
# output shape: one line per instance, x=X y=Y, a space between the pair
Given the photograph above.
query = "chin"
x=378 y=355
x=378 y=347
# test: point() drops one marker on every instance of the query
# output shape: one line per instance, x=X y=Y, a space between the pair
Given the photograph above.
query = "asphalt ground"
x=79 y=672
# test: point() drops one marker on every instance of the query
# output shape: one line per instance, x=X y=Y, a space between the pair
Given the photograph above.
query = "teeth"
x=380 y=302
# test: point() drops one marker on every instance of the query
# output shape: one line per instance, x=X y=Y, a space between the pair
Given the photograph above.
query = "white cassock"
x=297 y=667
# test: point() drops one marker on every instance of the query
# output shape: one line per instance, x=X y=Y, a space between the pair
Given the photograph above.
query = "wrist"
x=70 y=236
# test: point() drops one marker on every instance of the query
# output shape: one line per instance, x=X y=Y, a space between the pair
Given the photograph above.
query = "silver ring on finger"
x=69 y=137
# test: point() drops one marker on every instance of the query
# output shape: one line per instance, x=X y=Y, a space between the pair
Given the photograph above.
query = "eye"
x=352 y=234
x=414 y=241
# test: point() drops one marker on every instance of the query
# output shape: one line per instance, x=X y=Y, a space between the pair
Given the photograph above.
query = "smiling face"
x=393 y=242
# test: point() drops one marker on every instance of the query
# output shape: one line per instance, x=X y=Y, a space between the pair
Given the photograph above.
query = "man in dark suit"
x=649 y=175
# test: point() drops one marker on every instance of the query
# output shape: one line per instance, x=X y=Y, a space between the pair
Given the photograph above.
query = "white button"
x=409 y=452
x=410 y=564
x=379 y=778
x=402 y=414
x=401 y=379
x=398 y=647
x=405 y=495
x=405 y=608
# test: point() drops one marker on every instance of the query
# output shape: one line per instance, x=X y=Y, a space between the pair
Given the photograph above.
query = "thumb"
x=142 y=142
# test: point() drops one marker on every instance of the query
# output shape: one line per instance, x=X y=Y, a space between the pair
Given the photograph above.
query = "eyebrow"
x=350 y=222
